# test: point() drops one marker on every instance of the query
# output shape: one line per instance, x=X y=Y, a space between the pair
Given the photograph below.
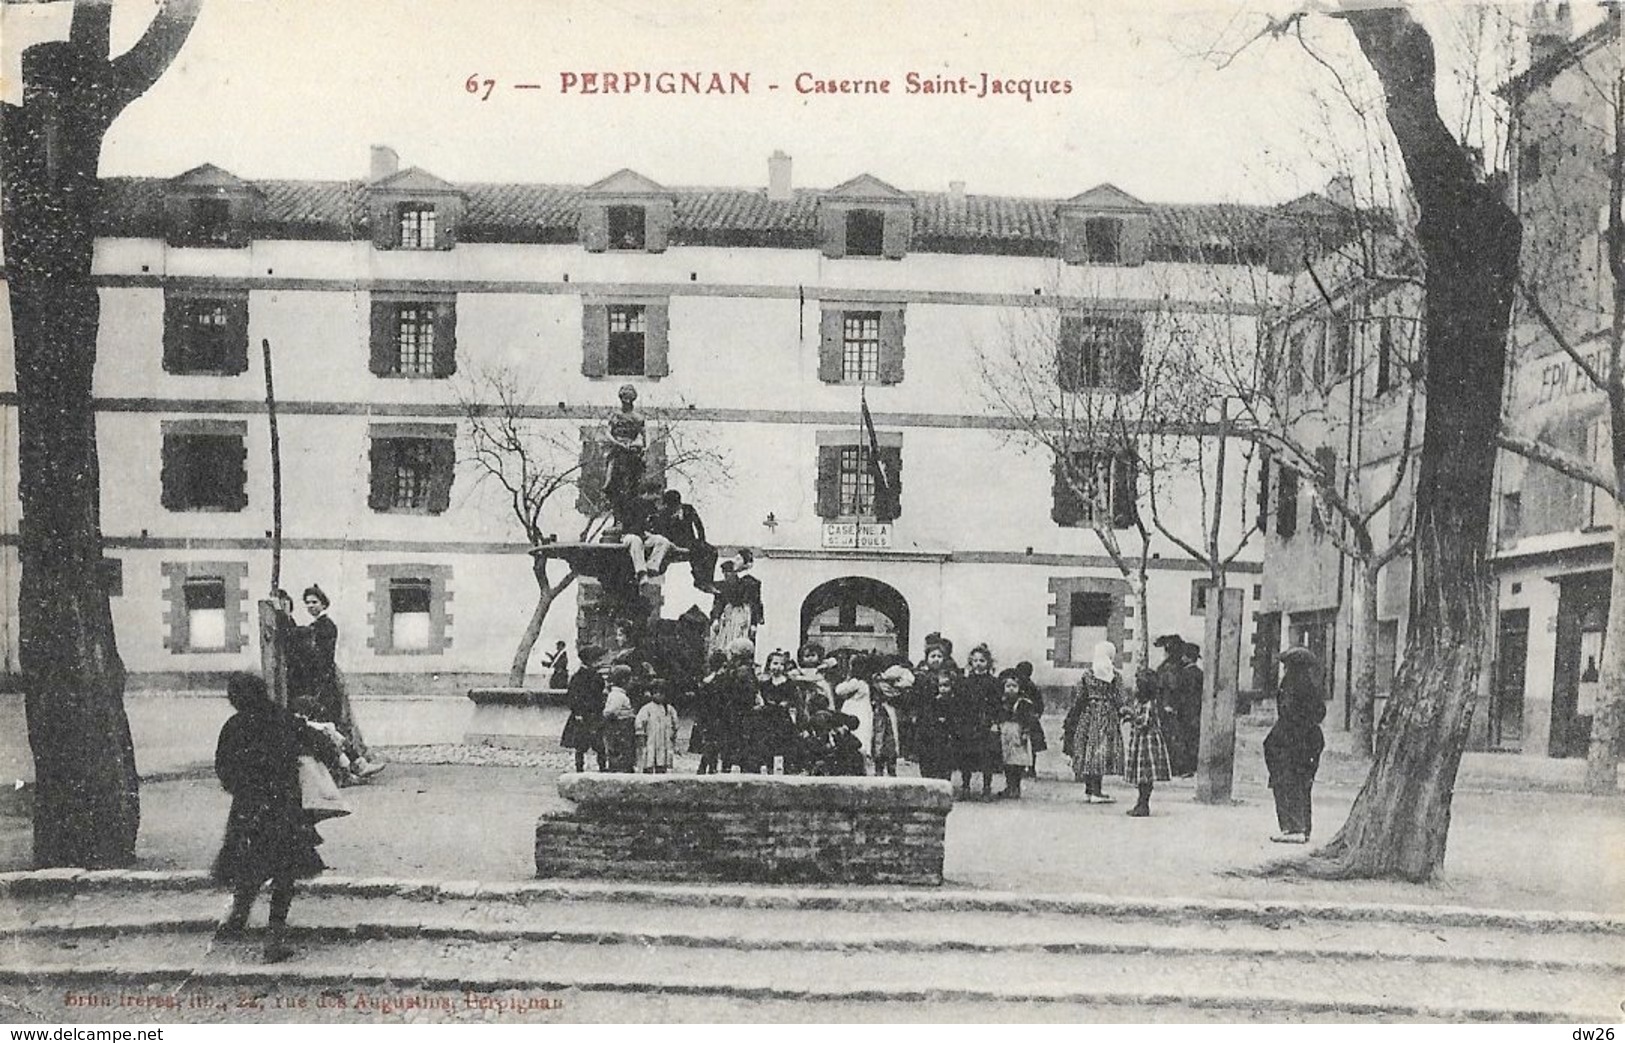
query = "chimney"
x=1549 y=33
x=956 y=193
x=384 y=163
x=1340 y=190
x=778 y=177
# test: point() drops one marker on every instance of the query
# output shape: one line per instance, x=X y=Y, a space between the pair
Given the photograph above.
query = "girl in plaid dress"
x=1147 y=761
x=1093 y=733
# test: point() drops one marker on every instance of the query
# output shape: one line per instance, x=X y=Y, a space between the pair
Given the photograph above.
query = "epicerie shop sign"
x=857 y=536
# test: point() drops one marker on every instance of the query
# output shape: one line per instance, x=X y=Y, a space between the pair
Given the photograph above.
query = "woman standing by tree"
x=1093 y=733
x=1292 y=748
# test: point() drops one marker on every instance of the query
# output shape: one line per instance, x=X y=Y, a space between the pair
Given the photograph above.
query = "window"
x=205 y=613
x=205 y=335
x=416 y=224
x=628 y=329
x=414 y=341
x=414 y=337
x=1297 y=342
x=409 y=616
x=409 y=609
x=412 y=468
x=1286 y=503
x=204 y=606
x=204 y=466
x=857 y=481
x=1511 y=515
x=627 y=227
x=1099 y=353
x=863 y=346
x=1599 y=505
x=211 y=220
x=854 y=483
x=1103 y=240
x=1095 y=490
x=1199 y=592
x=1341 y=333
x=860 y=346
x=865 y=233
x=1084 y=611
x=1264 y=489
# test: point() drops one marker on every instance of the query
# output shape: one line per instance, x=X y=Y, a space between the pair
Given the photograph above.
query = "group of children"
x=818 y=715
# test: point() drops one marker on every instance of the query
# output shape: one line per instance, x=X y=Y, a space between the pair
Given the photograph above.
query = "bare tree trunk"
x=1363 y=690
x=1469 y=240
x=87 y=806
x=1602 y=760
x=546 y=594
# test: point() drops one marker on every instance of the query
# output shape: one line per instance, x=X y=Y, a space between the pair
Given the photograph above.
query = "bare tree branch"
x=1563 y=462
x=137 y=69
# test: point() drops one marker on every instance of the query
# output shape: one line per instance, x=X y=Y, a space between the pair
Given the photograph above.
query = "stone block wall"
x=765 y=829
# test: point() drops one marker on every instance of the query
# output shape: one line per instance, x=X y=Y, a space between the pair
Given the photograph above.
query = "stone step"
x=1281 y=979
x=589 y=921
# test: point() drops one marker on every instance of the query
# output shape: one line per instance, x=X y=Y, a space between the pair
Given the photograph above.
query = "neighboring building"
x=1553 y=545
x=750 y=316
x=1343 y=344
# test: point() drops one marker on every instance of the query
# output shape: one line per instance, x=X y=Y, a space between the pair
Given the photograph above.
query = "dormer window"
x=417 y=226
x=211 y=220
x=210 y=207
x=628 y=228
x=865 y=233
x=1103 y=240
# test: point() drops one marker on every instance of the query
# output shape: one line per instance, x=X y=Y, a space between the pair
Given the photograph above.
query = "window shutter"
x=238 y=479
x=654 y=458
x=889 y=504
x=590 y=476
x=237 y=330
x=830 y=347
x=832 y=231
x=386 y=228
x=829 y=481
x=1124 y=507
x=1135 y=244
x=594 y=227
x=656 y=340
x=1264 y=490
x=445 y=338
x=896 y=233
x=594 y=339
x=1074 y=244
x=1069 y=354
x=1066 y=506
x=442 y=471
x=172 y=473
x=174 y=334
x=1129 y=355
x=1286 y=503
x=448 y=214
x=891 y=346
x=381 y=480
x=657 y=219
x=382 y=357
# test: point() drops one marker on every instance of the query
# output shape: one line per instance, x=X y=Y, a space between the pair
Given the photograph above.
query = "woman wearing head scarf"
x=1292 y=748
x=269 y=837
x=1093 y=733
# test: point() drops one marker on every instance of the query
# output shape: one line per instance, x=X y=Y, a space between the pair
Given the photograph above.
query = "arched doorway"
x=858 y=613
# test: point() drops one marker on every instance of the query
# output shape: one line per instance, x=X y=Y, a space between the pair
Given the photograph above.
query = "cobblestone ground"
x=454 y=812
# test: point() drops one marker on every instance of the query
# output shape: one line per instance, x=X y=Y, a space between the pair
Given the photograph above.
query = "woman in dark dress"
x=1292 y=748
x=325 y=695
x=1093 y=733
x=584 y=728
x=269 y=837
x=781 y=714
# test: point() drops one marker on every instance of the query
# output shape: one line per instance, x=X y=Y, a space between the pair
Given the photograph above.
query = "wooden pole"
x=273 y=662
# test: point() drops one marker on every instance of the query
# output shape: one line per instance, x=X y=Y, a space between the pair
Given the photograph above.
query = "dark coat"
x=268 y=835
x=934 y=745
x=835 y=753
x=313 y=673
x=976 y=707
x=1293 y=746
x=776 y=722
x=583 y=730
